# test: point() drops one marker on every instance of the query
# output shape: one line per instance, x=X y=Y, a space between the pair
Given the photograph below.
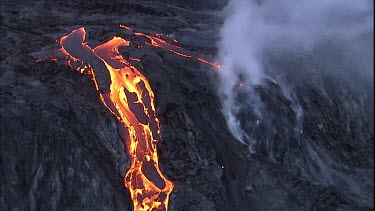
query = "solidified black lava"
x=61 y=149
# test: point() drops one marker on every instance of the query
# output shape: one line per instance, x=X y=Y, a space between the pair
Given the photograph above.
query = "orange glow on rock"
x=210 y=63
x=158 y=42
x=180 y=54
x=134 y=59
x=126 y=27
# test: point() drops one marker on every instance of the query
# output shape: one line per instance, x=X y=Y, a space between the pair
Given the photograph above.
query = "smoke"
x=254 y=28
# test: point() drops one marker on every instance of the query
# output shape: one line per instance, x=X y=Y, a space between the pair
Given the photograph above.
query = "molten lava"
x=158 y=42
x=127 y=95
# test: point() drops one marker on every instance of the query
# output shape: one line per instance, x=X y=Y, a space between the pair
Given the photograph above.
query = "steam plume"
x=252 y=28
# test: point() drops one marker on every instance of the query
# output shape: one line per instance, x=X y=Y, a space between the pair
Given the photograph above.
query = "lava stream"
x=128 y=95
x=158 y=42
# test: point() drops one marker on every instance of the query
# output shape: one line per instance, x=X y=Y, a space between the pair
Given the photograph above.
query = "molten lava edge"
x=129 y=97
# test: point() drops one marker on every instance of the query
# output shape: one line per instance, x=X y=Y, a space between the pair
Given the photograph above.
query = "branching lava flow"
x=127 y=95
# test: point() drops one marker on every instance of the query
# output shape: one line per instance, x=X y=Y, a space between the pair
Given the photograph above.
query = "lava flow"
x=158 y=42
x=128 y=95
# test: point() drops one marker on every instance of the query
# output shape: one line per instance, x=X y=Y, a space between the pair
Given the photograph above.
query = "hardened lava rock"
x=62 y=150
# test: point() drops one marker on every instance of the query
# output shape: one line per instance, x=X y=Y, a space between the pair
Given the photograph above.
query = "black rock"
x=62 y=149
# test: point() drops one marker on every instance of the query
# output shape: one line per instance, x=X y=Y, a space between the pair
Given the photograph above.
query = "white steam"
x=253 y=26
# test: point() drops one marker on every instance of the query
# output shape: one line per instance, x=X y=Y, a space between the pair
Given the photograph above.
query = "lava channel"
x=158 y=41
x=128 y=95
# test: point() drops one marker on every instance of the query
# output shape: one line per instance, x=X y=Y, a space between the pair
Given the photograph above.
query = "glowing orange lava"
x=158 y=42
x=134 y=59
x=126 y=27
x=128 y=95
x=210 y=63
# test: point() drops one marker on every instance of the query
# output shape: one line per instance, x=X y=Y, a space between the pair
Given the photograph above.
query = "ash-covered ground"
x=61 y=148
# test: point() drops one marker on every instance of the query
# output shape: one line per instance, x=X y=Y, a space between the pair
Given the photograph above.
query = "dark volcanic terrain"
x=61 y=149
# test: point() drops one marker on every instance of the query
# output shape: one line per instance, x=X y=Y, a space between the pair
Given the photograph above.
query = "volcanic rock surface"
x=61 y=149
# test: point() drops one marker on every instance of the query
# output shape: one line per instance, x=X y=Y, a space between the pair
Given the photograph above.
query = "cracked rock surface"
x=61 y=149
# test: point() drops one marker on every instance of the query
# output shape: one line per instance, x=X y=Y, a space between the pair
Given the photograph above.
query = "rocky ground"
x=61 y=148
